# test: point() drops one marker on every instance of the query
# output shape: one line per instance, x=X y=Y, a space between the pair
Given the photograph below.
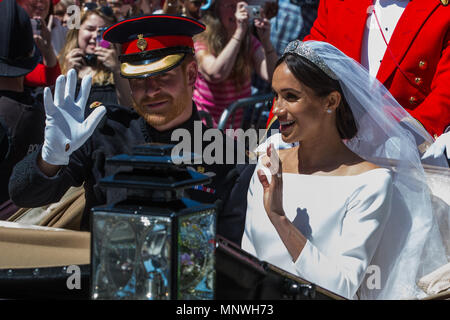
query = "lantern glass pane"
x=120 y=256
x=155 y=254
x=196 y=244
x=131 y=256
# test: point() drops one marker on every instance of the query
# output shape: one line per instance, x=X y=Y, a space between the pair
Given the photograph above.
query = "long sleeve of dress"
x=362 y=228
x=343 y=219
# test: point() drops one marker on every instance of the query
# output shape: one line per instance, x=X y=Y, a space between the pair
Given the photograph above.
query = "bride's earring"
x=329 y=110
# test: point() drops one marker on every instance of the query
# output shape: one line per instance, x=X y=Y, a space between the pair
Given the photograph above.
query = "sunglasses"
x=107 y=11
x=197 y=3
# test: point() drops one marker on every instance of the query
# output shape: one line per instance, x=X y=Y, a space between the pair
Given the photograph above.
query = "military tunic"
x=120 y=130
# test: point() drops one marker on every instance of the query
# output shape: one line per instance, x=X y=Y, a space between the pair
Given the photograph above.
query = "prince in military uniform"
x=158 y=59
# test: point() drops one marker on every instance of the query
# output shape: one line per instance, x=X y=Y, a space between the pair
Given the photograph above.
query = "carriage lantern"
x=155 y=244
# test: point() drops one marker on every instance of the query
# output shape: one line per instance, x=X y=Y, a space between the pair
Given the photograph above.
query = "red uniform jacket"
x=420 y=44
x=42 y=76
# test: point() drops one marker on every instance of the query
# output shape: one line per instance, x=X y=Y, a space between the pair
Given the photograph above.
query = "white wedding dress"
x=382 y=218
x=342 y=217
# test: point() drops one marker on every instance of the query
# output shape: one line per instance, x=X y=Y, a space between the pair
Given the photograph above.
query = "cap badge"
x=95 y=104
x=201 y=169
x=141 y=43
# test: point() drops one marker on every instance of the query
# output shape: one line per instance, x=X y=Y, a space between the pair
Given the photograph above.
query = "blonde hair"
x=215 y=38
x=102 y=76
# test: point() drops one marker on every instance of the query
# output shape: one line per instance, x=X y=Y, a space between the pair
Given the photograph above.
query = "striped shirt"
x=286 y=25
x=216 y=97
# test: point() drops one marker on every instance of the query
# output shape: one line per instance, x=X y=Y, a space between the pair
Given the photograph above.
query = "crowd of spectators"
x=233 y=54
x=236 y=54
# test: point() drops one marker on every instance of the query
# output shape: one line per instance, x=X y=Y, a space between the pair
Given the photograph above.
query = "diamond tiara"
x=301 y=49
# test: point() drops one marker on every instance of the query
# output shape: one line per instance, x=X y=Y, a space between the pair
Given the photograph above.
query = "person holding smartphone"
x=44 y=9
x=89 y=55
x=48 y=35
x=227 y=53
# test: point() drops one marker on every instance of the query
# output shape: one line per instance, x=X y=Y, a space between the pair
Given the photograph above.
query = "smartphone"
x=268 y=7
x=304 y=2
x=100 y=42
x=36 y=26
x=254 y=12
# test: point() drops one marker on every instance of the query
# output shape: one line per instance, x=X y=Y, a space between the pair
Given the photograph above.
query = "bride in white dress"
x=325 y=208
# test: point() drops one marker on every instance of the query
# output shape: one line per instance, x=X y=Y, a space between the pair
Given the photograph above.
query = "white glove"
x=65 y=127
x=437 y=149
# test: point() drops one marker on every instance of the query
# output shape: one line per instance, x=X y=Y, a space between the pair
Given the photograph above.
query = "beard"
x=175 y=106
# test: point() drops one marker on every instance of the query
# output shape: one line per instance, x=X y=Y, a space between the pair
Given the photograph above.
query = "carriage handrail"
x=242 y=103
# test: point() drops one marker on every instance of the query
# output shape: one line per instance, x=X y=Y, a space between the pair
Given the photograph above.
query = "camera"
x=267 y=7
x=254 y=12
x=304 y=2
x=36 y=26
x=90 y=59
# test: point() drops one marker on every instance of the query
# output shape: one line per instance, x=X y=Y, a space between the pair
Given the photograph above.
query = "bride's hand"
x=273 y=191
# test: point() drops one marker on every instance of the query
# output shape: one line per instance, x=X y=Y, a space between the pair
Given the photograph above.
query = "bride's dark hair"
x=322 y=85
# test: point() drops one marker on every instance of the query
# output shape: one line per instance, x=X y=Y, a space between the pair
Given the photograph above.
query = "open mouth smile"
x=284 y=125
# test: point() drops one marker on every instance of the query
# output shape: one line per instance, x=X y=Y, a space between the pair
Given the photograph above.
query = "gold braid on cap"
x=301 y=49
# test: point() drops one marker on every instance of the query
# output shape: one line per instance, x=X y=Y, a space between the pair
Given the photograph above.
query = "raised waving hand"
x=66 y=130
